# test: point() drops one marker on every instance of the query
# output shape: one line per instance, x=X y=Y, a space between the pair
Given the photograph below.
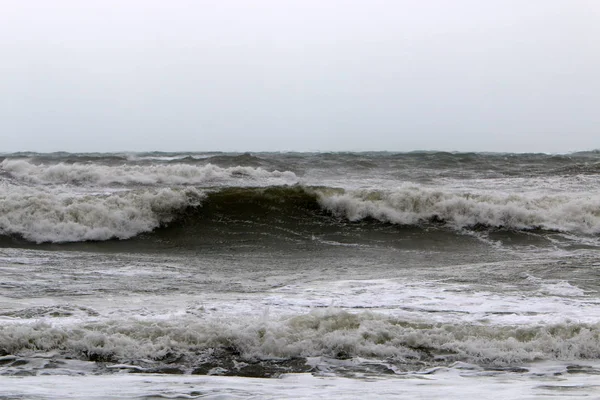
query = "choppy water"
x=431 y=272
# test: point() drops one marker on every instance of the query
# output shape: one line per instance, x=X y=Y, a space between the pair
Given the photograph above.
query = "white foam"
x=136 y=157
x=410 y=205
x=173 y=174
x=440 y=302
x=557 y=288
x=51 y=215
x=386 y=321
x=445 y=384
x=537 y=186
x=383 y=320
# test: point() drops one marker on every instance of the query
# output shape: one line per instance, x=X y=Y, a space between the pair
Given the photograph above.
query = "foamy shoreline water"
x=548 y=382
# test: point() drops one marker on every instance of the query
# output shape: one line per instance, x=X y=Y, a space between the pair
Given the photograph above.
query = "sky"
x=299 y=75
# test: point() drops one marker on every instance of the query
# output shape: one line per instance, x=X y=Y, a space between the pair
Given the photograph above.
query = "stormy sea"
x=299 y=275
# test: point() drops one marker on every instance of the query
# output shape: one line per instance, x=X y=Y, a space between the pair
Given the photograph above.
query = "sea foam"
x=67 y=214
x=50 y=215
x=328 y=333
x=173 y=174
x=412 y=205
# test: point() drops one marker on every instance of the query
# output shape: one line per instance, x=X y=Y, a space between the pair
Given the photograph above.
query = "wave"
x=45 y=215
x=48 y=214
x=414 y=205
x=175 y=174
x=588 y=168
x=202 y=343
x=245 y=159
x=70 y=158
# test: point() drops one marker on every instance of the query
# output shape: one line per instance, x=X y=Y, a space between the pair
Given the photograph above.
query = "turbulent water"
x=165 y=272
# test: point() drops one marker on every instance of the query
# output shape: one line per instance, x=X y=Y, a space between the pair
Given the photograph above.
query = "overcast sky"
x=303 y=75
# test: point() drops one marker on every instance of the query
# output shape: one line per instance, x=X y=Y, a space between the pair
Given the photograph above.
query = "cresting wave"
x=174 y=174
x=199 y=345
x=46 y=215
x=50 y=215
x=415 y=205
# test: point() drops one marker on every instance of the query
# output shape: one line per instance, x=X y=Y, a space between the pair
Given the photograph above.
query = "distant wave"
x=173 y=174
x=48 y=214
x=412 y=165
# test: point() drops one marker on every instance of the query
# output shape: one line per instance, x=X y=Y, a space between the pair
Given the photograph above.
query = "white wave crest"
x=330 y=333
x=411 y=205
x=175 y=174
x=44 y=215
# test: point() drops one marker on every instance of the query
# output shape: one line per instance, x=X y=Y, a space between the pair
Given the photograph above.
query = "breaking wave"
x=50 y=215
x=415 y=205
x=201 y=344
x=44 y=215
x=159 y=174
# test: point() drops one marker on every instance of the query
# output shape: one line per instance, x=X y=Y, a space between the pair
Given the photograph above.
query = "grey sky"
x=317 y=75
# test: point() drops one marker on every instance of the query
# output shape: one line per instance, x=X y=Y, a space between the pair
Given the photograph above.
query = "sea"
x=211 y=275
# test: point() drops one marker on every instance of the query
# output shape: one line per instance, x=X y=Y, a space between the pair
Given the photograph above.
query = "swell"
x=52 y=215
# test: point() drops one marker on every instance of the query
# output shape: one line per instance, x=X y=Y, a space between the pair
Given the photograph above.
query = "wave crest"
x=45 y=214
x=51 y=216
x=415 y=205
x=332 y=334
x=171 y=174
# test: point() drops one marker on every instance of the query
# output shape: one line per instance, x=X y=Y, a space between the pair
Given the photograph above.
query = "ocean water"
x=299 y=275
